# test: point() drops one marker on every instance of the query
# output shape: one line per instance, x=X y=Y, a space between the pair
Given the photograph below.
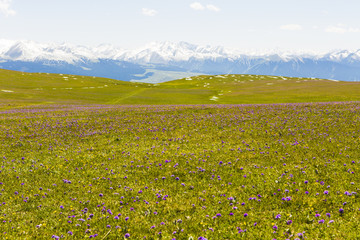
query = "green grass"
x=173 y=168
x=42 y=88
x=300 y=161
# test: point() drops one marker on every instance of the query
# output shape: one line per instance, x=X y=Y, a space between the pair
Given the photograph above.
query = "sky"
x=316 y=25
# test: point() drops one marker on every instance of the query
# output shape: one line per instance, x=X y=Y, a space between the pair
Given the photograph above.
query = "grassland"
x=85 y=157
x=19 y=89
x=279 y=171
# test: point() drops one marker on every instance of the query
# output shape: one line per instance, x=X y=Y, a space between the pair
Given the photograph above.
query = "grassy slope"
x=42 y=88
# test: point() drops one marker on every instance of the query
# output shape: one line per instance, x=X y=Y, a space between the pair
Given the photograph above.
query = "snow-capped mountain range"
x=163 y=61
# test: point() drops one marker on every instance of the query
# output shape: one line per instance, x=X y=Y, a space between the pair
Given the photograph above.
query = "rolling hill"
x=20 y=88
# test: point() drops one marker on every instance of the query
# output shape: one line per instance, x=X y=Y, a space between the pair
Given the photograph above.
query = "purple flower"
x=127 y=218
x=245 y=214
x=275 y=227
x=321 y=221
x=341 y=211
x=328 y=214
x=101 y=195
x=127 y=235
x=289 y=222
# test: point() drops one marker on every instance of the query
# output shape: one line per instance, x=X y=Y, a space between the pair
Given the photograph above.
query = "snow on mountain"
x=5 y=45
x=155 y=53
x=343 y=56
x=168 y=58
x=108 y=51
x=164 y=52
x=33 y=51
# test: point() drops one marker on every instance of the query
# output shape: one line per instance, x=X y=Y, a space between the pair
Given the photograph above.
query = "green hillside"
x=19 y=88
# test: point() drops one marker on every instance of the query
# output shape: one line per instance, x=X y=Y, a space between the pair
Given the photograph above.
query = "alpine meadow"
x=179 y=120
x=72 y=169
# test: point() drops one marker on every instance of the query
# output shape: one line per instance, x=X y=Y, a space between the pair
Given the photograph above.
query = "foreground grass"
x=22 y=89
x=181 y=172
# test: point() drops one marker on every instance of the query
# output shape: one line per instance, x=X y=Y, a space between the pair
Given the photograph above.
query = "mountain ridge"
x=170 y=51
x=184 y=57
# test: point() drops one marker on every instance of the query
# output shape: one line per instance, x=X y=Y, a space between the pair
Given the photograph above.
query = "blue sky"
x=256 y=24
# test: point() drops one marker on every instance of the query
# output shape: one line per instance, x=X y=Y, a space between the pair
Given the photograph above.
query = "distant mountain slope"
x=18 y=88
x=164 y=61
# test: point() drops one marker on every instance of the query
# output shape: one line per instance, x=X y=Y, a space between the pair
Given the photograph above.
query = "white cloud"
x=341 y=29
x=5 y=8
x=149 y=12
x=212 y=8
x=197 y=6
x=291 y=27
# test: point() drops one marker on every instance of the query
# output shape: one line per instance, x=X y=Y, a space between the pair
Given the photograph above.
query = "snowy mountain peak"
x=23 y=50
x=154 y=53
x=162 y=52
x=163 y=61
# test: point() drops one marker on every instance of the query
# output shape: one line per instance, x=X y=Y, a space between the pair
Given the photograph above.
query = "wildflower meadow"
x=272 y=171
